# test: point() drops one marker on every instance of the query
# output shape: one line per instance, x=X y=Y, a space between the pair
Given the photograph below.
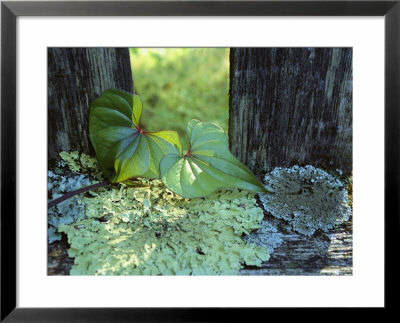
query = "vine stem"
x=78 y=191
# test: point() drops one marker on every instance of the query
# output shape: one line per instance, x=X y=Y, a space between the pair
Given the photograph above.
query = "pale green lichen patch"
x=148 y=230
x=80 y=163
x=75 y=170
x=308 y=198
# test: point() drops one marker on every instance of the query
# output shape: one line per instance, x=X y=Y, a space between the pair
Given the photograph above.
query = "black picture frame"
x=10 y=10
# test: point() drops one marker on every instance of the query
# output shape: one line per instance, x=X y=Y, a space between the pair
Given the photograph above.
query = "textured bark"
x=291 y=106
x=76 y=76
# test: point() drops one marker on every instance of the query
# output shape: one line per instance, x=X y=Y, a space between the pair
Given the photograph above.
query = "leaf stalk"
x=78 y=191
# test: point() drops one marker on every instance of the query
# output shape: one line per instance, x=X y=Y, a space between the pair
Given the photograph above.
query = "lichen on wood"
x=68 y=211
x=324 y=253
x=307 y=223
x=308 y=198
x=148 y=230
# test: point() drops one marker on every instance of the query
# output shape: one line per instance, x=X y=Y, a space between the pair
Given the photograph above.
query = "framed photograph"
x=256 y=104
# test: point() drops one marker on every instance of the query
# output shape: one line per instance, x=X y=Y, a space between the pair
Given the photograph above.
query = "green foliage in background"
x=180 y=84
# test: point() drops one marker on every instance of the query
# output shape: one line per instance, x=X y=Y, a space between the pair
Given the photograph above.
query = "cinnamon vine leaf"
x=122 y=148
x=207 y=166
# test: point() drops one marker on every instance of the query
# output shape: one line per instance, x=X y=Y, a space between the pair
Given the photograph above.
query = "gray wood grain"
x=324 y=253
x=76 y=76
x=291 y=106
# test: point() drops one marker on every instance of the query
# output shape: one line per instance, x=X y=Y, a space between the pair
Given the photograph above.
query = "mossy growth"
x=308 y=198
x=148 y=230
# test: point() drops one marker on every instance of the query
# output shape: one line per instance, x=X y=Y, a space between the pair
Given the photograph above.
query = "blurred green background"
x=180 y=84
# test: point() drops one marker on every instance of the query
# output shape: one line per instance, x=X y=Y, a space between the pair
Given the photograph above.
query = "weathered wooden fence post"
x=291 y=106
x=76 y=76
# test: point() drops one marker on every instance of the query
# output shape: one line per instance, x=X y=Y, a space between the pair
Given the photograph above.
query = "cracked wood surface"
x=329 y=253
x=291 y=106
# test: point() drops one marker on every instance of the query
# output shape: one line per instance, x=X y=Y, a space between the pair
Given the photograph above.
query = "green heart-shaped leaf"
x=207 y=166
x=122 y=148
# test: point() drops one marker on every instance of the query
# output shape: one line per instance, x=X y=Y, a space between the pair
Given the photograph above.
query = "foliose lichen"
x=308 y=198
x=68 y=211
x=146 y=229
x=149 y=230
x=68 y=178
x=267 y=235
x=80 y=163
